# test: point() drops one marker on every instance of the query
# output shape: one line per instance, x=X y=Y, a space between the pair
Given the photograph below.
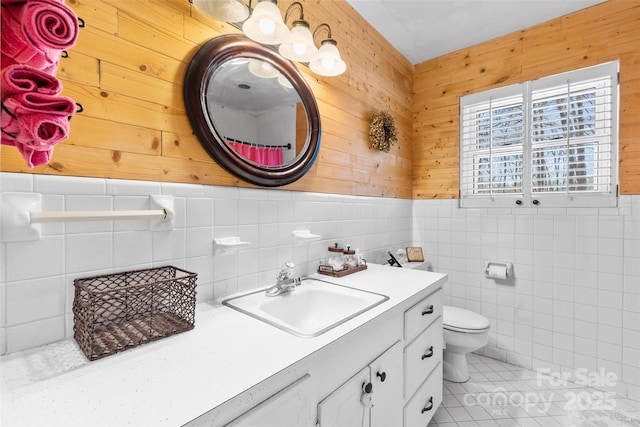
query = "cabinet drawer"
x=422 y=355
x=421 y=315
x=423 y=405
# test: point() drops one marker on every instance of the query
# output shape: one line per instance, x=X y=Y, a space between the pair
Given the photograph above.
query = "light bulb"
x=267 y=26
x=299 y=48
x=328 y=63
x=299 y=44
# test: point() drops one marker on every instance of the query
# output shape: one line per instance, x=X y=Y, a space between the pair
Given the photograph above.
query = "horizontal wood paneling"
x=602 y=33
x=127 y=70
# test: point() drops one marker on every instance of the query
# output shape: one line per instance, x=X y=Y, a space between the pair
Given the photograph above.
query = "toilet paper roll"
x=497 y=271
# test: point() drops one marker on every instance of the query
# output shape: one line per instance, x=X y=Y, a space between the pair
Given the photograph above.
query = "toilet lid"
x=460 y=319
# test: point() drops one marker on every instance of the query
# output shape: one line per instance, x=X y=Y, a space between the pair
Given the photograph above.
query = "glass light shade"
x=265 y=24
x=299 y=45
x=328 y=62
x=262 y=69
x=223 y=10
x=284 y=82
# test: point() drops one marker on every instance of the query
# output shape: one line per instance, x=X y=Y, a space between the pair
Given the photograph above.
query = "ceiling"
x=425 y=29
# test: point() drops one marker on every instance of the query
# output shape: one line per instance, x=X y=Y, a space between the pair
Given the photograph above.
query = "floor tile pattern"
x=499 y=394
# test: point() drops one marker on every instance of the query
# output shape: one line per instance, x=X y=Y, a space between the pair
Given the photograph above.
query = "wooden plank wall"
x=602 y=33
x=127 y=70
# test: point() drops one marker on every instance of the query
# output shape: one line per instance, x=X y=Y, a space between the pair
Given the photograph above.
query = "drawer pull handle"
x=382 y=376
x=429 y=406
x=429 y=310
x=367 y=388
x=429 y=354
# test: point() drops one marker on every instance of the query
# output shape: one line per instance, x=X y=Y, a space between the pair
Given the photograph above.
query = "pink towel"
x=11 y=130
x=34 y=122
x=40 y=131
x=34 y=102
x=35 y=157
x=22 y=1
x=20 y=78
x=36 y=32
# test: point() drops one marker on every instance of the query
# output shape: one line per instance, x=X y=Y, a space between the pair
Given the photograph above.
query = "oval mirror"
x=252 y=111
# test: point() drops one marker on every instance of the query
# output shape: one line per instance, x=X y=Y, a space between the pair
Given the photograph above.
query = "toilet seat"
x=460 y=320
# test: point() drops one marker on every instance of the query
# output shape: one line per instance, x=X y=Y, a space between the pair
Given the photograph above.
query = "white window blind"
x=549 y=142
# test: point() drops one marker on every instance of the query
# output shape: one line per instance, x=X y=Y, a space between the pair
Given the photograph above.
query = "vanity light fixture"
x=265 y=25
x=328 y=61
x=223 y=10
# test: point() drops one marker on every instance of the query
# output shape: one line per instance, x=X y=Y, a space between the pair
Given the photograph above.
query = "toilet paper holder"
x=498 y=270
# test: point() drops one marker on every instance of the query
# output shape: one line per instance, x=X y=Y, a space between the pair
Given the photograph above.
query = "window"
x=550 y=142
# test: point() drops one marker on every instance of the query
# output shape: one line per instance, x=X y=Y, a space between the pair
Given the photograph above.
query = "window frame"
x=469 y=175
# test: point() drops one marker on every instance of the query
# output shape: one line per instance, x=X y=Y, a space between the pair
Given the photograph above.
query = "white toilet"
x=464 y=332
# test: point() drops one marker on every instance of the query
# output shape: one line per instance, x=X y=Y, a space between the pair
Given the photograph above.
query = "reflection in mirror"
x=257 y=112
x=265 y=130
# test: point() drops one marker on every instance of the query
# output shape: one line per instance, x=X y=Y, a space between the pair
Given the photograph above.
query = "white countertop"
x=176 y=379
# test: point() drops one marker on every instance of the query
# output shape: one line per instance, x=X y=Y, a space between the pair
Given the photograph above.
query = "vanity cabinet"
x=385 y=373
x=244 y=372
x=406 y=380
x=372 y=397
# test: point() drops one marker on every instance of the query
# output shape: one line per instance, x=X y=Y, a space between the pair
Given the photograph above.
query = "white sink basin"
x=315 y=306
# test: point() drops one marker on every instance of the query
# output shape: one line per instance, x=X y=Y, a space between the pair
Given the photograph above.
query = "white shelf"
x=223 y=245
x=302 y=236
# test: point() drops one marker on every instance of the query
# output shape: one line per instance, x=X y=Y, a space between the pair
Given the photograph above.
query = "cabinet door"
x=386 y=377
x=344 y=406
x=289 y=407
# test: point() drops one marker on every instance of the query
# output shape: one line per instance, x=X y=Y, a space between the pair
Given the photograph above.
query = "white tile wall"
x=36 y=278
x=575 y=300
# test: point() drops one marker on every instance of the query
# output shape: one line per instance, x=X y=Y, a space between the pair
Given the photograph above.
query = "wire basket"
x=116 y=312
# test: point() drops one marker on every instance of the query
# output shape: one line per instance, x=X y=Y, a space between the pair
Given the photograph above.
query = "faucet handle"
x=286 y=271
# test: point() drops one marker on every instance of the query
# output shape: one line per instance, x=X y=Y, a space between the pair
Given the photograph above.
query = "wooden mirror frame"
x=207 y=59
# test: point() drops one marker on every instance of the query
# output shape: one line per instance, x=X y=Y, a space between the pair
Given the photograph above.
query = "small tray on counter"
x=330 y=271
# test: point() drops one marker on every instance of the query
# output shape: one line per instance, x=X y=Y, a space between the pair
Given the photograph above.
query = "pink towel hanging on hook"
x=36 y=32
x=34 y=122
x=20 y=78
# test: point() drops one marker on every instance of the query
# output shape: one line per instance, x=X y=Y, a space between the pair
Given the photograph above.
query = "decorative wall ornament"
x=382 y=133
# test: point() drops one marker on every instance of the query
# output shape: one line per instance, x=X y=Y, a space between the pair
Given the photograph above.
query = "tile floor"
x=504 y=395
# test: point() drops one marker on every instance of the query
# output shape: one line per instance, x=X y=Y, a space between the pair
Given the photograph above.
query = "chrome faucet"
x=284 y=282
